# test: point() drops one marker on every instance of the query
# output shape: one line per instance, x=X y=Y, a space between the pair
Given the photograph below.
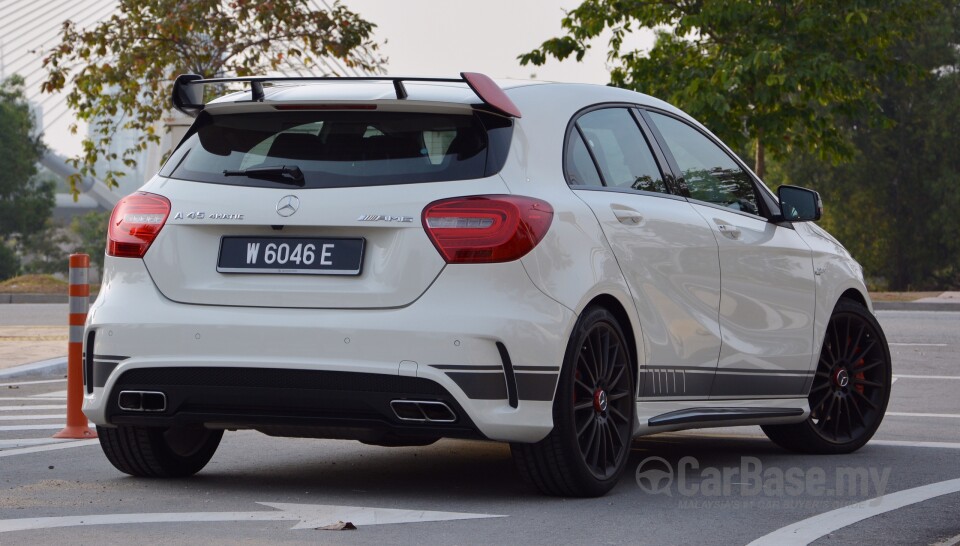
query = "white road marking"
x=64 y=380
x=903 y=414
x=806 y=531
x=27 y=399
x=909 y=443
x=26 y=442
x=28 y=417
x=9 y=428
x=918 y=344
x=937 y=377
x=24 y=408
x=309 y=516
x=952 y=541
x=38 y=449
x=57 y=394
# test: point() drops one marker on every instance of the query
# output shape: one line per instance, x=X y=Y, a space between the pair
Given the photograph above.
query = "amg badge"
x=384 y=218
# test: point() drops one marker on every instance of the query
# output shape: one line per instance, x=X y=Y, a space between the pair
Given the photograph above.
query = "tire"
x=146 y=452
x=593 y=415
x=850 y=390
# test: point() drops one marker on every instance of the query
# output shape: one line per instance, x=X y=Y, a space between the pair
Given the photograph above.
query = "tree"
x=778 y=77
x=91 y=230
x=895 y=205
x=25 y=200
x=122 y=70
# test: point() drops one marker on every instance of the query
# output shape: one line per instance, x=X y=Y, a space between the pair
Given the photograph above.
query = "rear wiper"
x=286 y=174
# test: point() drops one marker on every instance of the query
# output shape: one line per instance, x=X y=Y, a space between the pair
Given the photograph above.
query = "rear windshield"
x=342 y=148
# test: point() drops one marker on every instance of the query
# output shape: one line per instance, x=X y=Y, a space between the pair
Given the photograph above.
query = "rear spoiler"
x=188 y=89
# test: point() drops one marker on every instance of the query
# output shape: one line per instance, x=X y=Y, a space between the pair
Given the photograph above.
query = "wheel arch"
x=855 y=295
x=617 y=309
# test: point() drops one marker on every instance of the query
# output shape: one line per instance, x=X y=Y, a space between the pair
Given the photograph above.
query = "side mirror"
x=799 y=204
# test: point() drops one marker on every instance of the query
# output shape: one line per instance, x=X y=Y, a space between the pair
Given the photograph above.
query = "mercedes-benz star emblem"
x=288 y=205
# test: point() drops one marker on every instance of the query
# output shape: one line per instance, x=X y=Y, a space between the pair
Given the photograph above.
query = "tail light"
x=486 y=228
x=135 y=223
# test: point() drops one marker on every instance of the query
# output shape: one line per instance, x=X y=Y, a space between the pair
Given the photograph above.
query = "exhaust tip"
x=423 y=411
x=151 y=401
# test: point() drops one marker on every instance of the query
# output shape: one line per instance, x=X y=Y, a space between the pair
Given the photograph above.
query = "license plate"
x=291 y=255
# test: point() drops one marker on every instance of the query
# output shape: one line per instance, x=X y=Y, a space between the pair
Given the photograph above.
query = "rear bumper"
x=333 y=372
x=311 y=403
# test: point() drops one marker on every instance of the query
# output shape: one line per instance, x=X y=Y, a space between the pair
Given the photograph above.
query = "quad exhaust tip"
x=423 y=411
x=142 y=401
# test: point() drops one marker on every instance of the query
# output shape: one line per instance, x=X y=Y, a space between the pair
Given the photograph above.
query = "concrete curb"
x=54 y=367
x=915 y=306
x=38 y=298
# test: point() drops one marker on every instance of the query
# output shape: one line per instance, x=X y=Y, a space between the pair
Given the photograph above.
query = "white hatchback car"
x=397 y=260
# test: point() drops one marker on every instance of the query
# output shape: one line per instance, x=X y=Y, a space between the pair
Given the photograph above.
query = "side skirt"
x=654 y=417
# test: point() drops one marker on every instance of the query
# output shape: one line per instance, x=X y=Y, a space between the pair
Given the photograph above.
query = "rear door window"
x=339 y=149
x=621 y=152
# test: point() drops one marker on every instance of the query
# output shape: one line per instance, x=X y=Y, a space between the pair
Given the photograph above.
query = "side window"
x=621 y=150
x=580 y=168
x=711 y=175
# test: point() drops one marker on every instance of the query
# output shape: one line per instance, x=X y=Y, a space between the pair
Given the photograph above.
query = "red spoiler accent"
x=490 y=93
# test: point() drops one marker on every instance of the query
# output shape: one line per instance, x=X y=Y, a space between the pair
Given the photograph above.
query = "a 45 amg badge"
x=383 y=218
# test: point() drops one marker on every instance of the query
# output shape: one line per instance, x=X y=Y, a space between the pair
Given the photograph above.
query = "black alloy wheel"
x=602 y=401
x=593 y=414
x=850 y=390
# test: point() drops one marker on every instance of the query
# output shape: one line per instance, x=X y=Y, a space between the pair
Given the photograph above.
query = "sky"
x=419 y=37
x=446 y=37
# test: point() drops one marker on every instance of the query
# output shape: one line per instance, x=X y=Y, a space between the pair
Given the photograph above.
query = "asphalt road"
x=736 y=486
x=33 y=314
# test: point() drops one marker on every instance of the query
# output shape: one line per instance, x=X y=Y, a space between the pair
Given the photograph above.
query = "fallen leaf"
x=338 y=526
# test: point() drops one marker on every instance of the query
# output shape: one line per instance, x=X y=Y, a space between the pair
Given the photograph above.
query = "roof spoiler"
x=188 y=89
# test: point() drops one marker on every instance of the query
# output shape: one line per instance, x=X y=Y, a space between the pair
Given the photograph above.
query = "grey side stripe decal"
x=695 y=381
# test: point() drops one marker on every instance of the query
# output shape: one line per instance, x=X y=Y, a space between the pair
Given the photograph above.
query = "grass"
x=902 y=296
x=33 y=284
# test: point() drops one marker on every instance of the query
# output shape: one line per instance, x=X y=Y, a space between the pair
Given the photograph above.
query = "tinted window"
x=710 y=174
x=336 y=149
x=621 y=150
x=580 y=167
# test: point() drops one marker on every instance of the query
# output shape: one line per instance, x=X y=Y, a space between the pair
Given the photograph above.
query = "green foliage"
x=91 y=230
x=781 y=77
x=25 y=200
x=9 y=261
x=43 y=250
x=895 y=205
x=122 y=69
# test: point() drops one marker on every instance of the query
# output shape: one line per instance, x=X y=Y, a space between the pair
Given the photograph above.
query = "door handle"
x=627 y=216
x=728 y=230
